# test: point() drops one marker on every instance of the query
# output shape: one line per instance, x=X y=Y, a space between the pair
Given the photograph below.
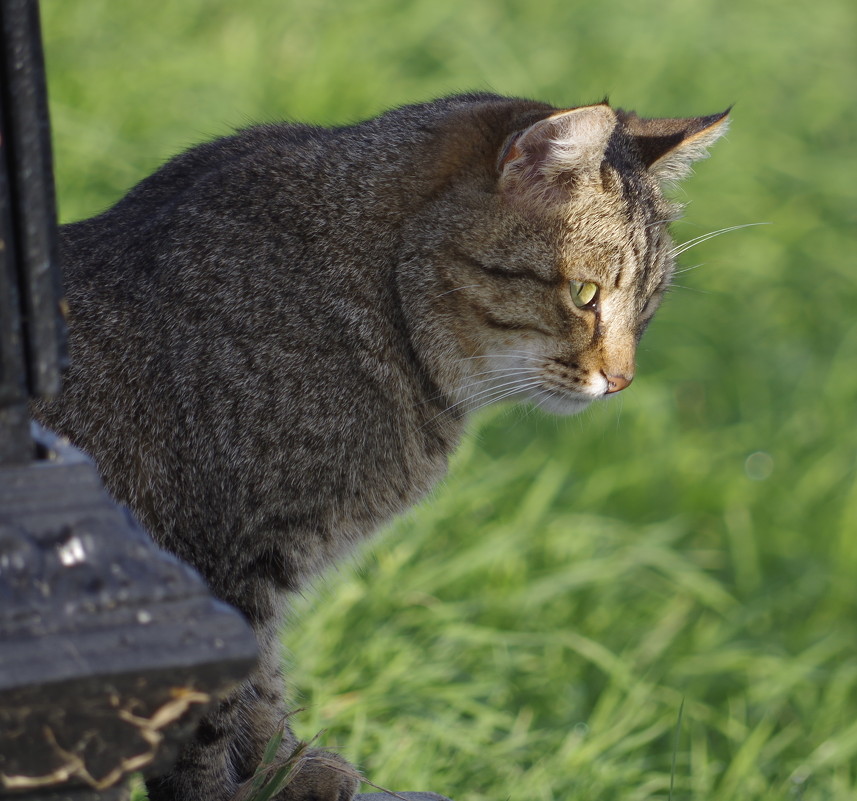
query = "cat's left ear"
x=668 y=147
x=536 y=160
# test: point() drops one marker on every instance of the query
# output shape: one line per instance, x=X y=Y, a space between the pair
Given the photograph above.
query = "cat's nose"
x=616 y=383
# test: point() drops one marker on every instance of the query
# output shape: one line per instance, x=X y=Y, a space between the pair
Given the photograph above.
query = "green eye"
x=583 y=293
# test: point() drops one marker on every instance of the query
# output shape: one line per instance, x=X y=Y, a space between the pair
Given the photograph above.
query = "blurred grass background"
x=531 y=631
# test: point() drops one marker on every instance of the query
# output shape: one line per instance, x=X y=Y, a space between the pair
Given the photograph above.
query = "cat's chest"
x=385 y=464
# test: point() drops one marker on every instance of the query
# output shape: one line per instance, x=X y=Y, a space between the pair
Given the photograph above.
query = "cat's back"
x=190 y=198
x=346 y=189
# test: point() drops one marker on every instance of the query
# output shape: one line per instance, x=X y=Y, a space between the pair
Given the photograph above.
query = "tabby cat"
x=277 y=339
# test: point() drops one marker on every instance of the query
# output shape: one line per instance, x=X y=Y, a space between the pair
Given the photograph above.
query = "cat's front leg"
x=219 y=763
x=229 y=745
x=322 y=776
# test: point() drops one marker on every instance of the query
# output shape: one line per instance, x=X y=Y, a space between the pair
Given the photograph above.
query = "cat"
x=277 y=338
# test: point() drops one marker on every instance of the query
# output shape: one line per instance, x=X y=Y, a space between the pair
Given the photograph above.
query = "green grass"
x=531 y=631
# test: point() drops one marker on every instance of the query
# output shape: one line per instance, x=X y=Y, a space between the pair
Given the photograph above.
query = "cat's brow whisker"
x=698 y=240
x=688 y=269
x=690 y=289
x=716 y=232
x=457 y=289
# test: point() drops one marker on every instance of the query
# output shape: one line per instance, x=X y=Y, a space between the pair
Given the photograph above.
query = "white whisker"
x=514 y=354
x=507 y=394
x=662 y=222
x=688 y=269
x=509 y=370
x=522 y=352
x=457 y=289
x=506 y=373
x=690 y=289
x=525 y=354
x=488 y=356
x=697 y=240
x=496 y=387
x=539 y=402
x=491 y=395
x=619 y=406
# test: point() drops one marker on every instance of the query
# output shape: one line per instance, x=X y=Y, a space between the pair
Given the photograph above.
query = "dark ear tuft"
x=667 y=147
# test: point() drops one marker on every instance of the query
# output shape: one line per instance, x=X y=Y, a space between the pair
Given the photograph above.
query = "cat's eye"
x=583 y=293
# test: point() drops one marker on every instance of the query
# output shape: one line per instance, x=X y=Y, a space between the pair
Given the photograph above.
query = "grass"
x=532 y=630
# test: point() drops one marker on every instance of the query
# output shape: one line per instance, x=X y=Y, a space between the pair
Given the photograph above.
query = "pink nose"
x=616 y=383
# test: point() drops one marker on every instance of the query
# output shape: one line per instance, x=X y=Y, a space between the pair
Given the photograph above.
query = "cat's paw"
x=322 y=776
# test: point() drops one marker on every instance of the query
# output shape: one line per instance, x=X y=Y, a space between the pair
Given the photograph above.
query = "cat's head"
x=560 y=254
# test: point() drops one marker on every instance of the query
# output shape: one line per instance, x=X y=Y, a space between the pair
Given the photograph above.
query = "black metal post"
x=34 y=338
x=110 y=650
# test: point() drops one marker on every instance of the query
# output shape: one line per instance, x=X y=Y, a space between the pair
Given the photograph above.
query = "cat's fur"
x=277 y=337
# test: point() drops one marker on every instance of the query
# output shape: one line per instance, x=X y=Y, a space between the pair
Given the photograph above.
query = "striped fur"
x=277 y=338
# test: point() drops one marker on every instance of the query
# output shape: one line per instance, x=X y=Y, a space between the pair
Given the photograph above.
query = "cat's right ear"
x=668 y=147
x=539 y=159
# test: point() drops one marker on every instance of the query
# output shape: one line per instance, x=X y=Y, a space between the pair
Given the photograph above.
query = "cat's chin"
x=565 y=404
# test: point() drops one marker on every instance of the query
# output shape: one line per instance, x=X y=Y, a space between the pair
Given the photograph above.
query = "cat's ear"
x=537 y=158
x=669 y=146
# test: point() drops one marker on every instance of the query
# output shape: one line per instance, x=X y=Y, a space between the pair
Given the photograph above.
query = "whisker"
x=488 y=356
x=528 y=355
x=496 y=387
x=515 y=354
x=522 y=352
x=690 y=289
x=716 y=232
x=709 y=234
x=697 y=240
x=539 y=402
x=508 y=373
x=509 y=370
x=688 y=269
x=619 y=406
x=543 y=395
x=490 y=395
x=507 y=394
x=457 y=289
